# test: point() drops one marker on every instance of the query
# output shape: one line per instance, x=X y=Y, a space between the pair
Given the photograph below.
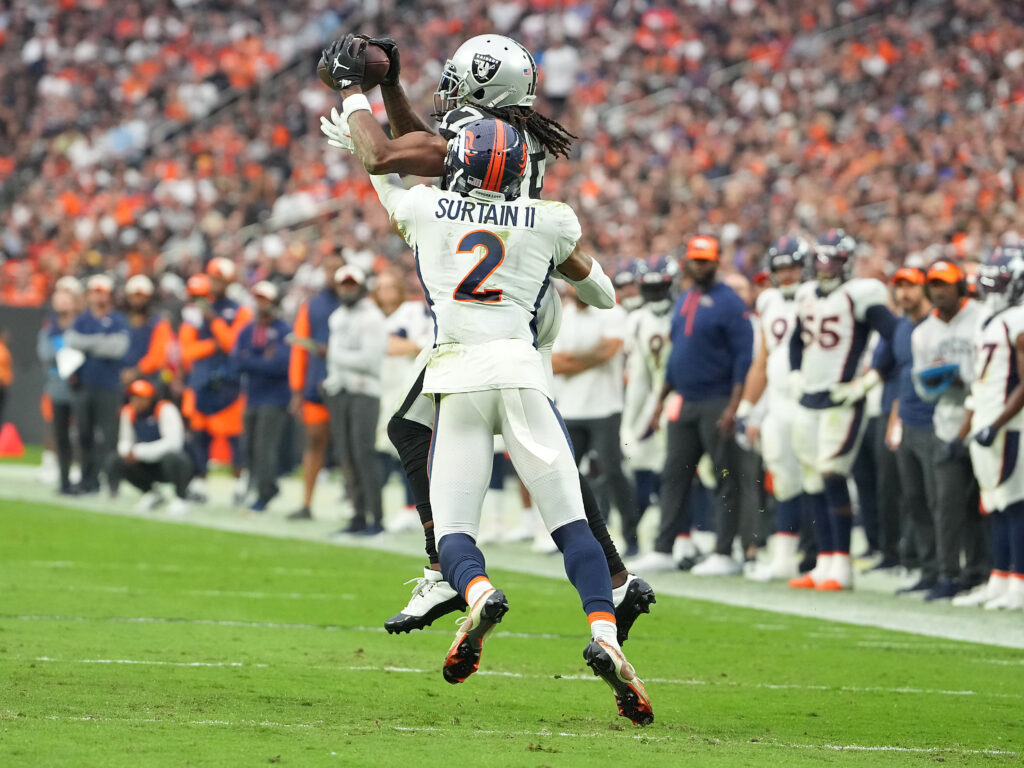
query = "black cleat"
x=432 y=598
x=638 y=599
x=463 y=657
x=611 y=666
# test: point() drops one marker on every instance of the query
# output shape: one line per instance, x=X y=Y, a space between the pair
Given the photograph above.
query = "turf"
x=133 y=642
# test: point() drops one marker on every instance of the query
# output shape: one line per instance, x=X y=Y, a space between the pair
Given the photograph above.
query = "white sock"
x=619 y=593
x=603 y=629
x=477 y=588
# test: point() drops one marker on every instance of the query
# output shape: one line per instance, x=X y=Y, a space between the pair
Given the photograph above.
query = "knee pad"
x=837 y=492
x=407 y=435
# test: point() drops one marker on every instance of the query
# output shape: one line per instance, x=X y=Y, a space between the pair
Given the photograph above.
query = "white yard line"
x=574 y=678
x=872 y=604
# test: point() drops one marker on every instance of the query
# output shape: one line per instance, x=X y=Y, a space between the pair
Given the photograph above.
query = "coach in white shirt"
x=589 y=387
x=356 y=346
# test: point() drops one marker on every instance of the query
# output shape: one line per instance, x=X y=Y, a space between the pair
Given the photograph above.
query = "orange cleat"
x=803 y=582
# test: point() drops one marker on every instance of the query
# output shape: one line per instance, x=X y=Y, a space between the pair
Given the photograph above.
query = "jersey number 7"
x=494 y=253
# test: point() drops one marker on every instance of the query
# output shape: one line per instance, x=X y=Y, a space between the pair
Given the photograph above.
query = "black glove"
x=346 y=61
x=987 y=436
x=390 y=47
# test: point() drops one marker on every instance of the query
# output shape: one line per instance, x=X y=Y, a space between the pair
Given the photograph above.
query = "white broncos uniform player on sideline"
x=484 y=256
x=835 y=317
x=995 y=422
x=768 y=410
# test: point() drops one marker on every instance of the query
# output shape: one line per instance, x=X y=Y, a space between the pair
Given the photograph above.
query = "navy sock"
x=235 y=443
x=584 y=565
x=1015 y=513
x=841 y=527
x=837 y=492
x=201 y=451
x=999 y=526
x=787 y=515
x=822 y=522
x=461 y=561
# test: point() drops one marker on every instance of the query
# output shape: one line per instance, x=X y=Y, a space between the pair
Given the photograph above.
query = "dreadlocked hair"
x=554 y=137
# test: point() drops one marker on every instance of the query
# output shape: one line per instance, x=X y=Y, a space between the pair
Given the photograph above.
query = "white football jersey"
x=533 y=179
x=995 y=367
x=649 y=346
x=777 y=316
x=484 y=265
x=835 y=332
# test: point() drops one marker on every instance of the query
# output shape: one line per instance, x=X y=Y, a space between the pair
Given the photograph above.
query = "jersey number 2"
x=494 y=253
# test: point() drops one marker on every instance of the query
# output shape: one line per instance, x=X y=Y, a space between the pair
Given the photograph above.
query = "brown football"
x=377 y=65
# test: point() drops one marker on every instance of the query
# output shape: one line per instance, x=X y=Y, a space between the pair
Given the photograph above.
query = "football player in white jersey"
x=768 y=410
x=995 y=422
x=646 y=355
x=835 y=317
x=415 y=151
x=484 y=256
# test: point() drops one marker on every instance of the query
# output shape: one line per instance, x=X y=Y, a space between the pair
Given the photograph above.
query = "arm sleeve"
x=566 y=232
x=172 y=435
x=125 y=433
x=276 y=365
x=740 y=335
x=83 y=342
x=595 y=289
x=225 y=334
x=796 y=347
x=394 y=197
x=883 y=360
x=879 y=318
x=299 y=361
x=155 y=358
x=192 y=347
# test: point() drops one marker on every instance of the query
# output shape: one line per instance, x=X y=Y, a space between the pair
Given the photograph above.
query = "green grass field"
x=133 y=642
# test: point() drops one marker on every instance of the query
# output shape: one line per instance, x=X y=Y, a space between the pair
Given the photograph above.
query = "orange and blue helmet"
x=488 y=155
x=833 y=259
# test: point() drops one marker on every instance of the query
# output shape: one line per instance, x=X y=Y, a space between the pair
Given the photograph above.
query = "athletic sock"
x=1015 y=513
x=841 y=529
x=461 y=562
x=602 y=627
x=999 y=525
x=583 y=565
x=477 y=588
x=822 y=522
x=787 y=515
x=599 y=528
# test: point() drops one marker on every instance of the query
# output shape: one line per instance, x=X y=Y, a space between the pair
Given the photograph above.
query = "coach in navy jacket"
x=102 y=335
x=261 y=356
x=712 y=347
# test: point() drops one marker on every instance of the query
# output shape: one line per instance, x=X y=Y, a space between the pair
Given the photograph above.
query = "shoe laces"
x=423 y=585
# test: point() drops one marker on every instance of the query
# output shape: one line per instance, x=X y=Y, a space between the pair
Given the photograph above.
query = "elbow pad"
x=595 y=289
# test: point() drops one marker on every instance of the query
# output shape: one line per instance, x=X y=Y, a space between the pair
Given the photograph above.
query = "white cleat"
x=653 y=562
x=148 y=502
x=717 y=565
x=432 y=598
x=610 y=665
x=996 y=586
x=1011 y=600
x=178 y=507
x=771 y=571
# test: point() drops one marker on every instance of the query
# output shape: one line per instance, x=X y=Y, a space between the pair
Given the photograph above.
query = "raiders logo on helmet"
x=484 y=67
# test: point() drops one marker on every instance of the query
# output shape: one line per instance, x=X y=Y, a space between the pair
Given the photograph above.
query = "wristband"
x=355 y=103
x=744 y=409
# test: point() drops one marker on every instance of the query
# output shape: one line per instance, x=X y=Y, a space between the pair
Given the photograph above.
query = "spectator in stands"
x=588 y=362
x=712 y=348
x=151 y=449
x=213 y=401
x=57 y=388
x=307 y=370
x=261 y=357
x=102 y=335
x=355 y=349
x=150 y=335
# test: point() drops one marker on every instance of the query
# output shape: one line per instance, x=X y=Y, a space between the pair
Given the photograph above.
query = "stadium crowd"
x=178 y=142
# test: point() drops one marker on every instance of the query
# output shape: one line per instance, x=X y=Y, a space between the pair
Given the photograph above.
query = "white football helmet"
x=490 y=71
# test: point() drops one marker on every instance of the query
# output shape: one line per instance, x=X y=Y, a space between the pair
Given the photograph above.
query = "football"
x=377 y=65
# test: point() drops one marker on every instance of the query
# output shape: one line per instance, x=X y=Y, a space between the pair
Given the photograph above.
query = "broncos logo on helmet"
x=833 y=259
x=1001 y=277
x=787 y=252
x=487 y=155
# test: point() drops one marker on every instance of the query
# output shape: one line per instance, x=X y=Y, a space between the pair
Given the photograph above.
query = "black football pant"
x=174 y=468
x=96 y=416
x=354 y=431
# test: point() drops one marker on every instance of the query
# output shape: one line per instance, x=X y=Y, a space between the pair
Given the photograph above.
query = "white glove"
x=856 y=390
x=336 y=130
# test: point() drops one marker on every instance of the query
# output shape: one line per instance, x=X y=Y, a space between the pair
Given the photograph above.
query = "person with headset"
x=943 y=347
